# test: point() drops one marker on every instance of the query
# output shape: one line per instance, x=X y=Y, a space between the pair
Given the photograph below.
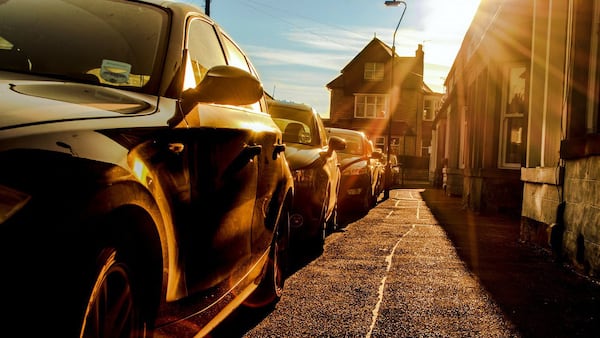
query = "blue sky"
x=298 y=47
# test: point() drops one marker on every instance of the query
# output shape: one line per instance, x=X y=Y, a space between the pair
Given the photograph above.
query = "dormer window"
x=373 y=71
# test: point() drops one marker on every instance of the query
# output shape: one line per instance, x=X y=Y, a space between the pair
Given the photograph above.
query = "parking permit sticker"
x=115 y=71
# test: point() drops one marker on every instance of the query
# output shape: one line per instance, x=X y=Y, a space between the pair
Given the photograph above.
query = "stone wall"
x=540 y=215
x=581 y=241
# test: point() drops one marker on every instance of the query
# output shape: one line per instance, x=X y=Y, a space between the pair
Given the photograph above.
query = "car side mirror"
x=336 y=143
x=377 y=155
x=226 y=85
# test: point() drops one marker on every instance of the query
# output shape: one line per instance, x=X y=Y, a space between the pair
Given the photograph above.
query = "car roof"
x=289 y=104
x=345 y=131
x=172 y=4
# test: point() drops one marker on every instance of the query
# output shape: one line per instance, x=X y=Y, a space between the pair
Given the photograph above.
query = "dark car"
x=361 y=173
x=313 y=159
x=143 y=186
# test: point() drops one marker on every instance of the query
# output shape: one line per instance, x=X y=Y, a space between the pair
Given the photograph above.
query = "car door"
x=223 y=173
x=268 y=146
x=331 y=166
x=371 y=165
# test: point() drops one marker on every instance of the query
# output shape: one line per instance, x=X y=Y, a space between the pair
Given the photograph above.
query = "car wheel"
x=320 y=239
x=374 y=197
x=367 y=201
x=317 y=241
x=270 y=289
x=112 y=309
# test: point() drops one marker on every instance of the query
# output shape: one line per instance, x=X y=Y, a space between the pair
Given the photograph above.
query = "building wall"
x=406 y=108
x=561 y=203
x=542 y=173
x=581 y=239
x=556 y=186
x=475 y=110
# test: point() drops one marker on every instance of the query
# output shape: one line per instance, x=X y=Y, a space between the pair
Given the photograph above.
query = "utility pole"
x=392 y=105
x=207 y=7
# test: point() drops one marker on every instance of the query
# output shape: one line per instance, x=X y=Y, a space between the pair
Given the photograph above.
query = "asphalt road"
x=399 y=272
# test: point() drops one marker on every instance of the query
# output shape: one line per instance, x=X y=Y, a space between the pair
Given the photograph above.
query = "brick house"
x=518 y=131
x=361 y=99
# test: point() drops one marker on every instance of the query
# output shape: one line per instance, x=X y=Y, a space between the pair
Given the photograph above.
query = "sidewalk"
x=541 y=297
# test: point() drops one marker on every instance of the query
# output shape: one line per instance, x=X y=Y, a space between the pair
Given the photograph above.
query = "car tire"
x=317 y=241
x=112 y=308
x=270 y=289
x=373 y=200
x=367 y=201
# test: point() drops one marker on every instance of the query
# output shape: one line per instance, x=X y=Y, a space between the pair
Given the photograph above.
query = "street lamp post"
x=407 y=133
x=388 y=168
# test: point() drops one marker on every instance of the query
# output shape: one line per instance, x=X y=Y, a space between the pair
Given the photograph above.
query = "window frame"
x=593 y=104
x=361 y=108
x=428 y=109
x=379 y=142
x=373 y=71
x=506 y=117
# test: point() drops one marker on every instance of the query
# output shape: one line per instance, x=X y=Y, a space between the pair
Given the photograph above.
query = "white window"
x=373 y=71
x=370 y=106
x=512 y=120
x=380 y=142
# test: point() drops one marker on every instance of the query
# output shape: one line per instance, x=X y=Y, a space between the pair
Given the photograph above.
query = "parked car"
x=395 y=169
x=380 y=161
x=313 y=159
x=361 y=171
x=143 y=188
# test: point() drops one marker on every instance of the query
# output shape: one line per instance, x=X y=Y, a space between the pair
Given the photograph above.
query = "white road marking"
x=388 y=260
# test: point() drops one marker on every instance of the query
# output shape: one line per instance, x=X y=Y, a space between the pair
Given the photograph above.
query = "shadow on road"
x=538 y=294
x=245 y=318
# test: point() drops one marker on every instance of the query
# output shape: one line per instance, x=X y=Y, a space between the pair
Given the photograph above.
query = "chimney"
x=419 y=52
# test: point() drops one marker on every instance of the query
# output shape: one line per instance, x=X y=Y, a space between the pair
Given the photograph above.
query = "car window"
x=297 y=125
x=204 y=52
x=322 y=134
x=237 y=58
x=294 y=131
x=354 y=145
x=113 y=43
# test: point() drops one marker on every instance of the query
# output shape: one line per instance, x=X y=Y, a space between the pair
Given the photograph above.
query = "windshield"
x=114 y=43
x=297 y=126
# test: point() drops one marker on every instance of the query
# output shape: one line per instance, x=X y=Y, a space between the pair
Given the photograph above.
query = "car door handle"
x=252 y=150
x=278 y=148
x=176 y=147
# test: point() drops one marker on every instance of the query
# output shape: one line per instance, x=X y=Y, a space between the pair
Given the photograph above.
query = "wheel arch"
x=133 y=233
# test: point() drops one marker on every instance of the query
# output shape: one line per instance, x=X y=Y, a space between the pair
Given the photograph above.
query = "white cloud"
x=275 y=57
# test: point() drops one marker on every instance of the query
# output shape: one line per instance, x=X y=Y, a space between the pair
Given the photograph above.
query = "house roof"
x=375 y=43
